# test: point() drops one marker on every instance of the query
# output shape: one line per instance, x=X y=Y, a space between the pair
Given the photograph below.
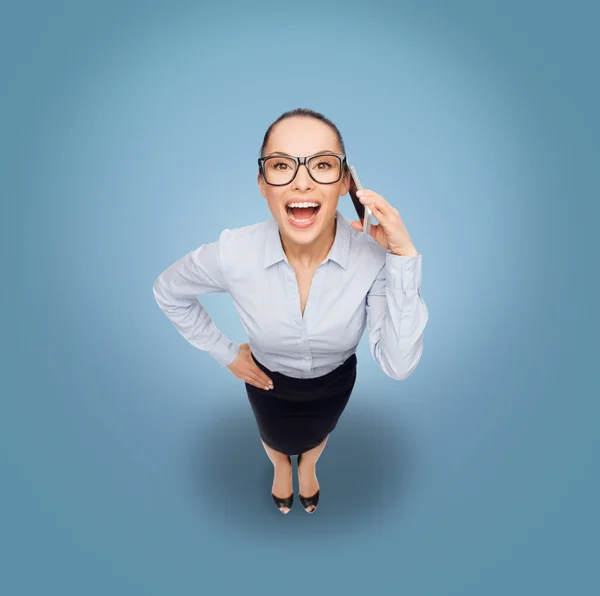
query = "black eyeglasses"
x=323 y=168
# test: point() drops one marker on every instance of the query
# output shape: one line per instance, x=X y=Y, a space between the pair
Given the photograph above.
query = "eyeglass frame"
x=303 y=161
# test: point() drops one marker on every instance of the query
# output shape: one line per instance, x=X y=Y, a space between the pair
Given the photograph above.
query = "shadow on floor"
x=365 y=467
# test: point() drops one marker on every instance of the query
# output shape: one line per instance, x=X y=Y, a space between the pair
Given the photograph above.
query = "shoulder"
x=242 y=244
x=245 y=234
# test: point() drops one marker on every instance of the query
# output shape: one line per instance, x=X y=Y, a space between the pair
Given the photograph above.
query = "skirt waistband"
x=282 y=381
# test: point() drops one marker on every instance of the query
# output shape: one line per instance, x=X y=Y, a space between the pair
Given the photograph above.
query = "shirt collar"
x=338 y=253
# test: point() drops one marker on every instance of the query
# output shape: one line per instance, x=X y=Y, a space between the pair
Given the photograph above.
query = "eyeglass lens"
x=323 y=168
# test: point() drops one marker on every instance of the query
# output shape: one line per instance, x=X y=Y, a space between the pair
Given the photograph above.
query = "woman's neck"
x=312 y=255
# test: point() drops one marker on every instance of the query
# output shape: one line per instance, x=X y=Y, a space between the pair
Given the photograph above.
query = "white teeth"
x=303 y=205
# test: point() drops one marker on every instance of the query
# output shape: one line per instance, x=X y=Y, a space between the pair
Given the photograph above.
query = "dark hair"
x=305 y=113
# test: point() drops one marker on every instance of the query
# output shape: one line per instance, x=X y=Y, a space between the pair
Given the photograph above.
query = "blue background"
x=131 y=462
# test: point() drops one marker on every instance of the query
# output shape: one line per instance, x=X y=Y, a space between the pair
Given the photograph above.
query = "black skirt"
x=297 y=414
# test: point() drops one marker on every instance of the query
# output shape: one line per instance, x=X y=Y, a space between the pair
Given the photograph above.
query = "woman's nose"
x=302 y=178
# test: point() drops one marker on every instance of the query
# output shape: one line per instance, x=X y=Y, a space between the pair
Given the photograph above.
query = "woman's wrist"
x=407 y=252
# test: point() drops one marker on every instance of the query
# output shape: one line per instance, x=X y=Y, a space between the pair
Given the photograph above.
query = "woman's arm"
x=397 y=316
x=176 y=291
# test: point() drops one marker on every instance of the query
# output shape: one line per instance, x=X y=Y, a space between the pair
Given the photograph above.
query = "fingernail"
x=359 y=192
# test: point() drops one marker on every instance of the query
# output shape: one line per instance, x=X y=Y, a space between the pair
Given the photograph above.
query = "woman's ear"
x=261 y=185
x=345 y=187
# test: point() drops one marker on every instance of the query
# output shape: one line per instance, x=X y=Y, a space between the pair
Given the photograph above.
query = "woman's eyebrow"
x=283 y=153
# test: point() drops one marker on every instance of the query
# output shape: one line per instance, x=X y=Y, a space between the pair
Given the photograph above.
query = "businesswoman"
x=306 y=283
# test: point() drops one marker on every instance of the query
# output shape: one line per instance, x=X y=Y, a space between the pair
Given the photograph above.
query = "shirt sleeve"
x=176 y=291
x=397 y=316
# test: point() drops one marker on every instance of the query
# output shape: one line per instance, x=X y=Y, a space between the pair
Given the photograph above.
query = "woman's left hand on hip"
x=391 y=232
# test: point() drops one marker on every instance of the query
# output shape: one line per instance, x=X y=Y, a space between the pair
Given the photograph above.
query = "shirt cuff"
x=225 y=351
x=402 y=272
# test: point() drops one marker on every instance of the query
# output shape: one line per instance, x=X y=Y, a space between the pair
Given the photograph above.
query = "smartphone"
x=364 y=213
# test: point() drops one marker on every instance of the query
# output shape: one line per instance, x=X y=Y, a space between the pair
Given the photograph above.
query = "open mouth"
x=302 y=215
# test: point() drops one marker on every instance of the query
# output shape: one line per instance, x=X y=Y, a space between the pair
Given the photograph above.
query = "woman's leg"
x=307 y=473
x=282 y=480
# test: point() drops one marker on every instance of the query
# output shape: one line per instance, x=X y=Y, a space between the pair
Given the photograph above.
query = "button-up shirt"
x=358 y=283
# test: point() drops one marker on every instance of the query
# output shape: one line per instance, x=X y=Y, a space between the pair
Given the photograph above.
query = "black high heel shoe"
x=308 y=501
x=287 y=502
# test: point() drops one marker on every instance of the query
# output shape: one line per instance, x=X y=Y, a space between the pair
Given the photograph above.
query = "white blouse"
x=359 y=282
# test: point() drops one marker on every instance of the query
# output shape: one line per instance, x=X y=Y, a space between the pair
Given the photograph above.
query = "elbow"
x=403 y=373
x=401 y=370
x=157 y=291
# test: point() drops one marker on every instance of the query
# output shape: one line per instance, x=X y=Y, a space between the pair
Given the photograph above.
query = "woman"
x=305 y=283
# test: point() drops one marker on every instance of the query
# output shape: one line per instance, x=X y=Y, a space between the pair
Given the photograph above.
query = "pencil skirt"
x=298 y=414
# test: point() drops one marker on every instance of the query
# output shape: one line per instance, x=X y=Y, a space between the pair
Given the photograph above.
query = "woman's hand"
x=391 y=232
x=244 y=367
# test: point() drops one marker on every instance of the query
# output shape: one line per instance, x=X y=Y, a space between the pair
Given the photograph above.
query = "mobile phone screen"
x=361 y=210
